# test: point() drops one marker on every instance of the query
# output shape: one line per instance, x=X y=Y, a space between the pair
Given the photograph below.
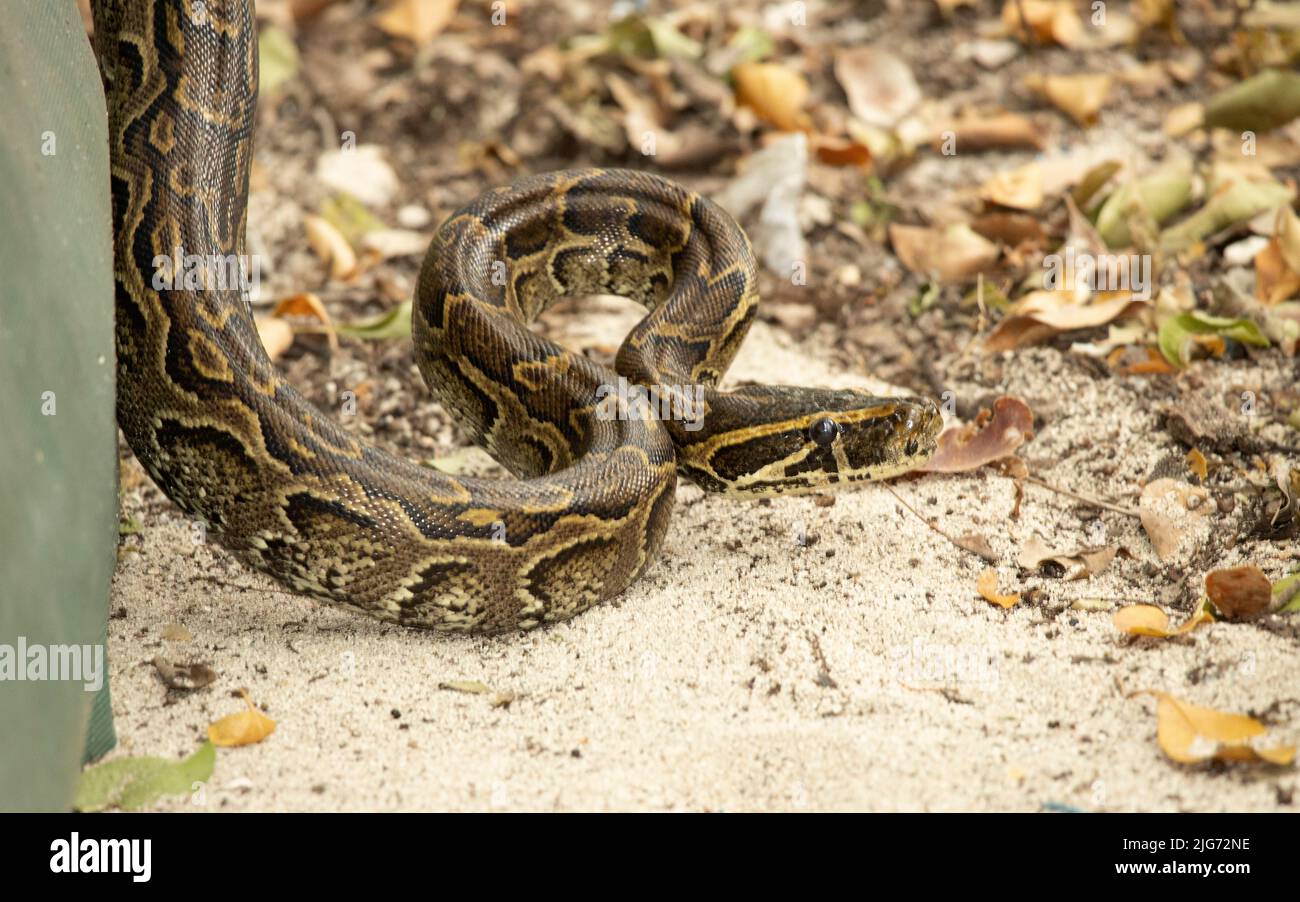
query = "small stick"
x=1084 y=499
x=919 y=516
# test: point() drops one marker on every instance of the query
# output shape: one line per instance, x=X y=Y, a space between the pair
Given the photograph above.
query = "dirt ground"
x=809 y=653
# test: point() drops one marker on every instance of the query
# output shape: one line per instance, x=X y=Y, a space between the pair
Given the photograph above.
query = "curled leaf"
x=1149 y=620
x=1239 y=593
x=992 y=436
x=1190 y=734
x=987 y=585
x=242 y=727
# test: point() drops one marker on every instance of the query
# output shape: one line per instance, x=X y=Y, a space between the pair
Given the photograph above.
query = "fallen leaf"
x=175 y=632
x=1190 y=734
x=331 y=247
x=775 y=92
x=418 y=21
x=1080 y=564
x=1235 y=200
x=276 y=335
x=1157 y=196
x=992 y=436
x=1149 y=620
x=242 y=727
x=1286 y=594
x=1197 y=463
x=395 y=323
x=951 y=254
x=307 y=306
x=1047 y=21
x=360 y=172
x=1021 y=189
x=1167 y=509
x=1080 y=97
x=1239 y=593
x=1184 y=337
x=277 y=59
x=988 y=588
x=974 y=133
x=186 y=677
x=1041 y=315
x=1258 y=104
x=131 y=783
x=879 y=85
x=977 y=544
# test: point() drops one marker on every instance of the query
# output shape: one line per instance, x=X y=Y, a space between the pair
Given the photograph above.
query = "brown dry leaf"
x=1081 y=564
x=1001 y=130
x=186 y=677
x=1149 y=620
x=1239 y=593
x=418 y=21
x=276 y=335
x=1190 y=734
x=987 y=584
x=1139 y=361
x=1080 y=97
x=1040 y=315
x=241 y=728
x=977 y=544
x=879 y=85
x=1166 y=507
x=175 y=632
x=1012 y=229
x=951 y=254
x=307 y=306
x=1184 y=118
x=1021 y=189
x=1049 y=21
x=331 y=247
x=1197 y=463
x=1277 y=266
x=991 y=437
x=775 y=92
x=840 y=151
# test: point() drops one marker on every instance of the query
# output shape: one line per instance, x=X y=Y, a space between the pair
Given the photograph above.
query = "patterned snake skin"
x=293 y=494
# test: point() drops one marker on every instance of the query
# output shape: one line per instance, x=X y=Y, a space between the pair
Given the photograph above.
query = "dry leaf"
x=418 y=21
x=175 y=632
x=879 y=85
x=243 y=727
x=1239 y=593
x=1001 y=131
x=307 y=306
x=1048 y=21
x=331 y=247
x=988 y=588
x=775 y=92
x=950 y=254
x=1081 y=564
x=1197 y=463
x=1168 y=508
x=1041 y=315
x=1080 y=97
x=1021 y=189
x=276 y=335
x=992 y=436
x=976 y=543
x=187 y=677
x=1190 y=734
x=1149 y=620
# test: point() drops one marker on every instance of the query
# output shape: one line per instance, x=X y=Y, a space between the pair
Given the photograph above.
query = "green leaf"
x=1284 y=587
x=277 y=59
x=1239 y=201
x=350 y=217
x=131 y=783
x=396 y=323
x=1161 y=194
x=1264 y=102
x=1176 y=333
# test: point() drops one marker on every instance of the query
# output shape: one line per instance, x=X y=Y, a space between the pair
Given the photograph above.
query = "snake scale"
x=293 y=494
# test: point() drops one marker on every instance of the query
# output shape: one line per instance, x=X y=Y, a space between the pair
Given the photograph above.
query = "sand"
x=782 y=655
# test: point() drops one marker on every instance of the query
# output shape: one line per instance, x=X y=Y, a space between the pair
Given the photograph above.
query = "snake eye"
x=823 y=431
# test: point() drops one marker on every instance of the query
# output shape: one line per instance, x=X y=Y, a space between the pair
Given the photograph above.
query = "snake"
x=593 y=451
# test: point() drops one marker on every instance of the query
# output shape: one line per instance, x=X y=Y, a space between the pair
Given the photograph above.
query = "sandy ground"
x=783 y=655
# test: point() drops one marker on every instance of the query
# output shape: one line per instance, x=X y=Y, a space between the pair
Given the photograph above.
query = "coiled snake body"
x=279 y=483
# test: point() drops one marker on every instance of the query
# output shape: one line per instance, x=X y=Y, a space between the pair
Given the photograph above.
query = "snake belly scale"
x=280 y=484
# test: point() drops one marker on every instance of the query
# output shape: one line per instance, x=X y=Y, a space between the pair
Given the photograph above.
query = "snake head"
x=767 y=440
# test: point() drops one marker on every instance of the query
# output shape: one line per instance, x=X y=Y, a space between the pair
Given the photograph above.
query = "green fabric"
x=58 y=494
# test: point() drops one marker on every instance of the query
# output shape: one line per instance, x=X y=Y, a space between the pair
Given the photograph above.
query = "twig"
x=918 y=516
x=1084 y=499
